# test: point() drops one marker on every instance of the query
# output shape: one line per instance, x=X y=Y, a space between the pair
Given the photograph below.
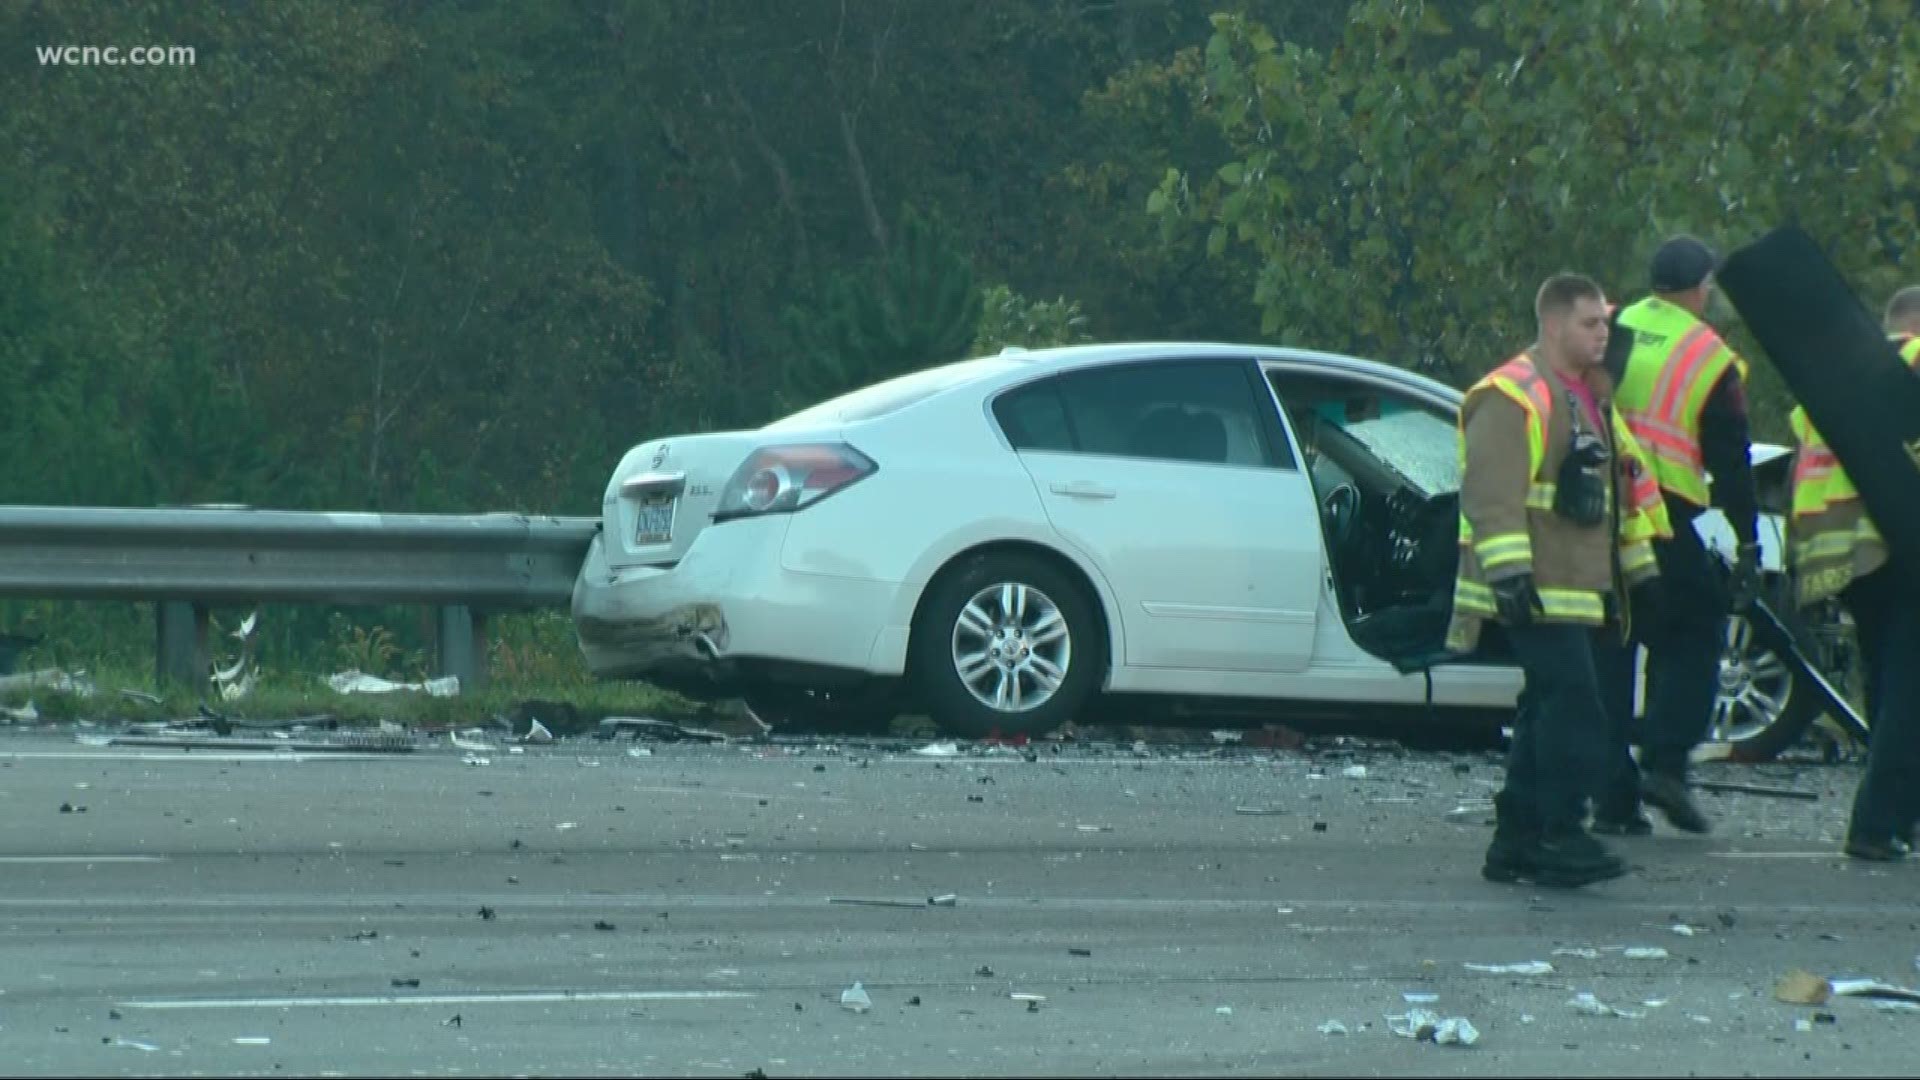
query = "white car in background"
x=996 y=542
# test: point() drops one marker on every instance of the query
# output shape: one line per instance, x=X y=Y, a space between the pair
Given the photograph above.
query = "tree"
x=1007 y=318
x=1403 y=191
x=917 y=307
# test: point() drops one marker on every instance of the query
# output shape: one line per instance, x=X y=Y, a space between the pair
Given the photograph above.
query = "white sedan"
x=995 y=542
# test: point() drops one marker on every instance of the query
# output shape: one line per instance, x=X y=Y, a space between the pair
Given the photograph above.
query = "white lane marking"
x=194 y=755
x=1778 y=854
x=442 y=999
x=736 y=794
x=419 y=906
x=80 y=858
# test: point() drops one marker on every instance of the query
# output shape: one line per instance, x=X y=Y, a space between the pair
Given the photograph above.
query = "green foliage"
x=915 y=308
x=1403 y=191
x=1007 y=318
x=458 y=257
x=371 y=650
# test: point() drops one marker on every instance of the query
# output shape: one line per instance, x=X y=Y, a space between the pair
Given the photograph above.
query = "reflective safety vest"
x=1573 y=567
x=1831 y=540
x=1675 y=363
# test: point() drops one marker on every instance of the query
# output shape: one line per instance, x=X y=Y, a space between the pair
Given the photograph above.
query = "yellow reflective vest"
x=1507 y=523
x=1830 y=538
x=1676 y=361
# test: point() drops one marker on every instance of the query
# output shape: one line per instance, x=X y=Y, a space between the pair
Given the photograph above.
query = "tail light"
x=782 y=479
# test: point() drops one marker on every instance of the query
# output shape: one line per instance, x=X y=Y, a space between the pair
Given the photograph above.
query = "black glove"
x=1745 y=583
x=1515 y=599
x=1646 y=609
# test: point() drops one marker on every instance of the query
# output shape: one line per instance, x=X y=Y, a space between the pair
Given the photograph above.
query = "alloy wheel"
x=1011 y=647
x=1754 y=686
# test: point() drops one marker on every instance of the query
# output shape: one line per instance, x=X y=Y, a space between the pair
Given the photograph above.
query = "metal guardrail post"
x=460 y=646
x=181 y=657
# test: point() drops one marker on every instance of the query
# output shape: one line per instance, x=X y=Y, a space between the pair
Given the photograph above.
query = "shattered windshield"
x=1419 y=445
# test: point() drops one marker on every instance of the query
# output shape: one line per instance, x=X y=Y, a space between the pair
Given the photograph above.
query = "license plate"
x=655 y=519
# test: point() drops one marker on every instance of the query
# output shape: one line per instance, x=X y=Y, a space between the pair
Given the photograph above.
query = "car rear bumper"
x=725 y=613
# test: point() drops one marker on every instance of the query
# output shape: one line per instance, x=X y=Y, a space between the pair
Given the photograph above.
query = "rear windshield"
x=882 y=398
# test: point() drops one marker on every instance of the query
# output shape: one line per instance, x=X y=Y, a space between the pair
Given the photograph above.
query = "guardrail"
x=188 y=559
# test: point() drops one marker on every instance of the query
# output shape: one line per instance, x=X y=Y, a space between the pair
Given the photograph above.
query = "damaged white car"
x=997 y=542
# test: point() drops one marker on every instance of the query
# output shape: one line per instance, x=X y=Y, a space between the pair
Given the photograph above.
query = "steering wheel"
x=1341 y=510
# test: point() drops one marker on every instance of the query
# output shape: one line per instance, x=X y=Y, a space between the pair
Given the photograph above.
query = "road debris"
x=1332 y=1027
x=939 y=749
x=1079 y=952
x=854 y=998
x=537 y=733
x=1643 y=952
x=1586 y=1004
x=1771 y=790
x=944 y=900
x=358 y=682
x=354 y=742
x=1529 y=967
x=252 y=1040
x=1259 y=811
x=1425 y=1025
x=238 y=679
x=133 y=1044
x=664 y=730
x=1873 y=988
x=1683 y=929
x=25 y=715
x=1354 y=772
x=1479 y=812
x=1799 y=987
x=1583 y=954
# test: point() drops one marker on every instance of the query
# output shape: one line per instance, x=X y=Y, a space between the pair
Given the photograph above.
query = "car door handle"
x=1082 y=489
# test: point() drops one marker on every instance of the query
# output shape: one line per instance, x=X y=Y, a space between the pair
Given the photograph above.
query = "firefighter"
x=1542 y=543
x=1682 y=392
x=1837 y=551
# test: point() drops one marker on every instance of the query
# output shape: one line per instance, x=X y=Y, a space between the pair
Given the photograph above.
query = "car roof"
x=1069 y=357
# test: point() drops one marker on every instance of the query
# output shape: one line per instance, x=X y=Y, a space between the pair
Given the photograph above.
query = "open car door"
x=1837 y=360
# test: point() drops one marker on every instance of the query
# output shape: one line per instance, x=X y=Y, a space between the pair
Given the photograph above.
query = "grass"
x=530 y=657
x=291 y=697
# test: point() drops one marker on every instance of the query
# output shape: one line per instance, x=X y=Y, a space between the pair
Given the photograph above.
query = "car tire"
x=1030 y=657
x=1760 y=732
x=854 y=711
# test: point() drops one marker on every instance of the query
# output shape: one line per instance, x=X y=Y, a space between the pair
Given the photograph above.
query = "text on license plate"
x=655 y=519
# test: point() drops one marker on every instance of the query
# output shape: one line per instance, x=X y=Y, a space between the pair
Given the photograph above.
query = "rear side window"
x=1035 y=418
x=1201 y=411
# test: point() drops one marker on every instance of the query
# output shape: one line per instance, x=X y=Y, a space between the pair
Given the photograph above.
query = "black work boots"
x=1561 y=859
x=1669 y=795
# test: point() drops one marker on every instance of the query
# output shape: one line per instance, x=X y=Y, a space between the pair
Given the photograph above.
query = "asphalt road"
x=574 y=910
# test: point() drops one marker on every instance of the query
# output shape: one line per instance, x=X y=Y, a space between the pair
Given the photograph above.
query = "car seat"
x=1170 y=431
